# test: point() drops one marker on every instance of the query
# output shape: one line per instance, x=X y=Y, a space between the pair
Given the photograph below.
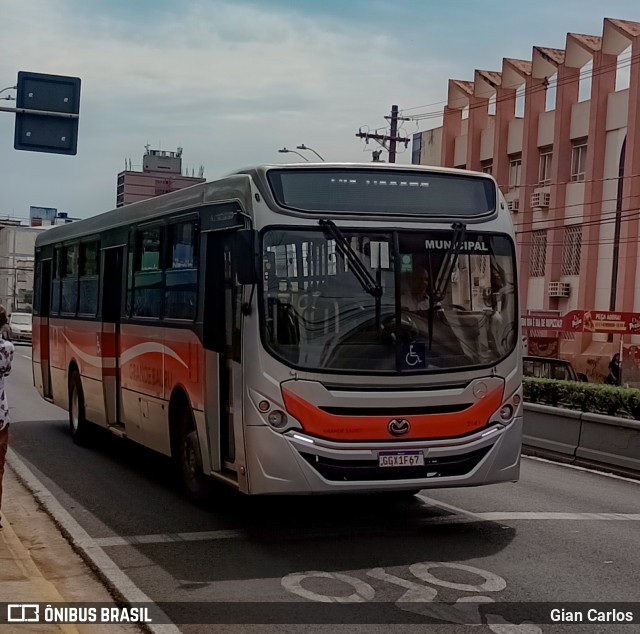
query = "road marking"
x=26 y=356
x=500 y=516
x=166 y=538
x=469 y=518
x=533 y=515
x=448 y=507
x=579 y=468
x=85 y=544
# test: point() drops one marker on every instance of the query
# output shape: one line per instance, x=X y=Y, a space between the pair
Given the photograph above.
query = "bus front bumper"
x=294 y=463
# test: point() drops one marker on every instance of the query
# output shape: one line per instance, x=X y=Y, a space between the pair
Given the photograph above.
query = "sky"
x=233 y=81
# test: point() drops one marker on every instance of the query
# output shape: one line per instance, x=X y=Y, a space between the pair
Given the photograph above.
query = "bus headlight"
x=506 y=412
x=277 y=418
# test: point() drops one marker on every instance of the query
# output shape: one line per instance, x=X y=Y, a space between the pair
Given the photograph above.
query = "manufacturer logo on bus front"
x=398 y=426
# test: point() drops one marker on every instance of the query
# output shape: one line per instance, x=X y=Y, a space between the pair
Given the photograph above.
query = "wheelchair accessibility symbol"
x=415 y=356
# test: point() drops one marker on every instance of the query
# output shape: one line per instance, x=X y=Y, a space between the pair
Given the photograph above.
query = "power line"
x=565 y=218
x=587 y=180
x=540 y=87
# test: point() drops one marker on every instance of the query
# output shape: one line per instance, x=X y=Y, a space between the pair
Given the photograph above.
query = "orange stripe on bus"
x=319 y=423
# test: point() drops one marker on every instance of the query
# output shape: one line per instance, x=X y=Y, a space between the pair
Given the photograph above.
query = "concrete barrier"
x=551 y=431
x=595 y=440
x=610 y=441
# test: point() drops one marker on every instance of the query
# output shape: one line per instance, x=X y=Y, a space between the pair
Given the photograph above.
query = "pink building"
x=161 y=174
x=561 y=134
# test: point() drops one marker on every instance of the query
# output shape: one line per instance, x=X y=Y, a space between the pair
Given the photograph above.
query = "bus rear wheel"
x=189 y=461
x=80 y=427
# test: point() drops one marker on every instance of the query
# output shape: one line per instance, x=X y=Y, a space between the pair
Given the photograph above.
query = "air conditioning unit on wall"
x=513 y=205
x=559 y=289
x=540 y=200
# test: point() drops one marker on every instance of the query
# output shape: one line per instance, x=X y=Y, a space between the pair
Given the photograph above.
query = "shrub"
x=584 y=397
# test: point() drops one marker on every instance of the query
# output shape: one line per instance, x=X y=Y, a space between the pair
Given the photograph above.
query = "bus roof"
x=230 y=187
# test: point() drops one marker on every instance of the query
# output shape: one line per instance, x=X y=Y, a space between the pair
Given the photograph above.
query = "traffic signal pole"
x=40 y=113
x=47 y=113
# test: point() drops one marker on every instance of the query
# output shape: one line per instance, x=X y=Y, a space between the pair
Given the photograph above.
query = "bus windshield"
x=319 y=314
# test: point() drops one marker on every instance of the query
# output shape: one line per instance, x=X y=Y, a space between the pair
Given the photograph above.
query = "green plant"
x=585 y=397
x=632 y=402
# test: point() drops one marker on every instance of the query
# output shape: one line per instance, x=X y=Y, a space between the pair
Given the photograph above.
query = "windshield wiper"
x=369 y=285
x=443 y=279
x=439 y=289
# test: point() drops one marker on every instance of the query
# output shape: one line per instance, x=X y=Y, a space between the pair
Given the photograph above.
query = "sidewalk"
x=37 y=564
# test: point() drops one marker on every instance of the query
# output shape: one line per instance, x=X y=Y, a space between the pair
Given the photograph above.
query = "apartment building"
x=560 y=132
x=161 y=174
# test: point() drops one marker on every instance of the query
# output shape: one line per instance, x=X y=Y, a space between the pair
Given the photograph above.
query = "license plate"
x=400 y=459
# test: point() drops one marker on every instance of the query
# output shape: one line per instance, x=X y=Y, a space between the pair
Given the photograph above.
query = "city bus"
x=294 y=329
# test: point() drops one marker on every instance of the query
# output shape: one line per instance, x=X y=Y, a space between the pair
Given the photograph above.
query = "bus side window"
x=56 y=282
x=148 y=276
x=182 y=274
x=222 y=297
x=70 y=259
x=89 y=280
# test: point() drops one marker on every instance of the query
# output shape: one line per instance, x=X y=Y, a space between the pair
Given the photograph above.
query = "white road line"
x=500 y=516
x=534 y=515
x=497 y=516
x=166 y=538
x=26 y=356
x=448 y=507
x=579 y=468
x=83 y=542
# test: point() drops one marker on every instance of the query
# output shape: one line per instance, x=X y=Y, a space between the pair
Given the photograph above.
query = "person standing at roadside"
x=615 y=371
x=6 y=358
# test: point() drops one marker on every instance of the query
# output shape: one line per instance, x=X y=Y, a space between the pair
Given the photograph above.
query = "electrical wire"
x=542 y=86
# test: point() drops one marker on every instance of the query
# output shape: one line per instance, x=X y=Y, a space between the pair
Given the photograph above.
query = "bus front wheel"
x=80 y=427
x=194 y=482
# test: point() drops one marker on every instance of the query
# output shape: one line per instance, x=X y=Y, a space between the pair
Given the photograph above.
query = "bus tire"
x=78 y=424
x=189 y=460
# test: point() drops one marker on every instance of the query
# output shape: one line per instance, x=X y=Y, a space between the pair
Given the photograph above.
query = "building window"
x=546 y=154
x=515 y=170
x=571 y=250
x=416 y=150
x=538 y=253
x=487 y=167
x=578 y=159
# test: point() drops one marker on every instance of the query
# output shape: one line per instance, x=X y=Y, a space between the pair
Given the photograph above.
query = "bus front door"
x=111 y=302
x=222 y=340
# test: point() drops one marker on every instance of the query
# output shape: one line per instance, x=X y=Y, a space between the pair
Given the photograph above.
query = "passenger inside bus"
x=414 y=289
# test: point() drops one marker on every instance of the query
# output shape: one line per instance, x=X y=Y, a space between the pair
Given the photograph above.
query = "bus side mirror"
x=245 y=256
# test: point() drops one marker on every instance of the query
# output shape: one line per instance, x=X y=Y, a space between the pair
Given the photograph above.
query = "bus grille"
x=361 y=470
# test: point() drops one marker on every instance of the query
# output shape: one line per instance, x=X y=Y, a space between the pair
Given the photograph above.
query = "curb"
x=118 y=583
x=47 y=591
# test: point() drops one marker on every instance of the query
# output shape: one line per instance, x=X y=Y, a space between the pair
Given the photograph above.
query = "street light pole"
x=302 y=146
x=284 y=150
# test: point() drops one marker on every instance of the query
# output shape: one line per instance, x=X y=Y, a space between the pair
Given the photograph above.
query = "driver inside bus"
x=414 y=288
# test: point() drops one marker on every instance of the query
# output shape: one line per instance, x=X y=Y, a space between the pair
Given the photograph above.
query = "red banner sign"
x=596 y=321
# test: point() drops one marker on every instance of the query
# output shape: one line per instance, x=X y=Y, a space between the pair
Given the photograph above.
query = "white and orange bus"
x=313 y=328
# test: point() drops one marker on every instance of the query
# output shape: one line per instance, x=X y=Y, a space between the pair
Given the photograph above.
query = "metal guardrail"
x=595 y=440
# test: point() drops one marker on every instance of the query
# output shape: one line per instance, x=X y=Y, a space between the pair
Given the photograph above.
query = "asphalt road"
x=559 y=536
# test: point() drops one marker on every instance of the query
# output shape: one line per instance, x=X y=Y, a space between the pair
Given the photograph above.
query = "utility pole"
x=393 y=137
